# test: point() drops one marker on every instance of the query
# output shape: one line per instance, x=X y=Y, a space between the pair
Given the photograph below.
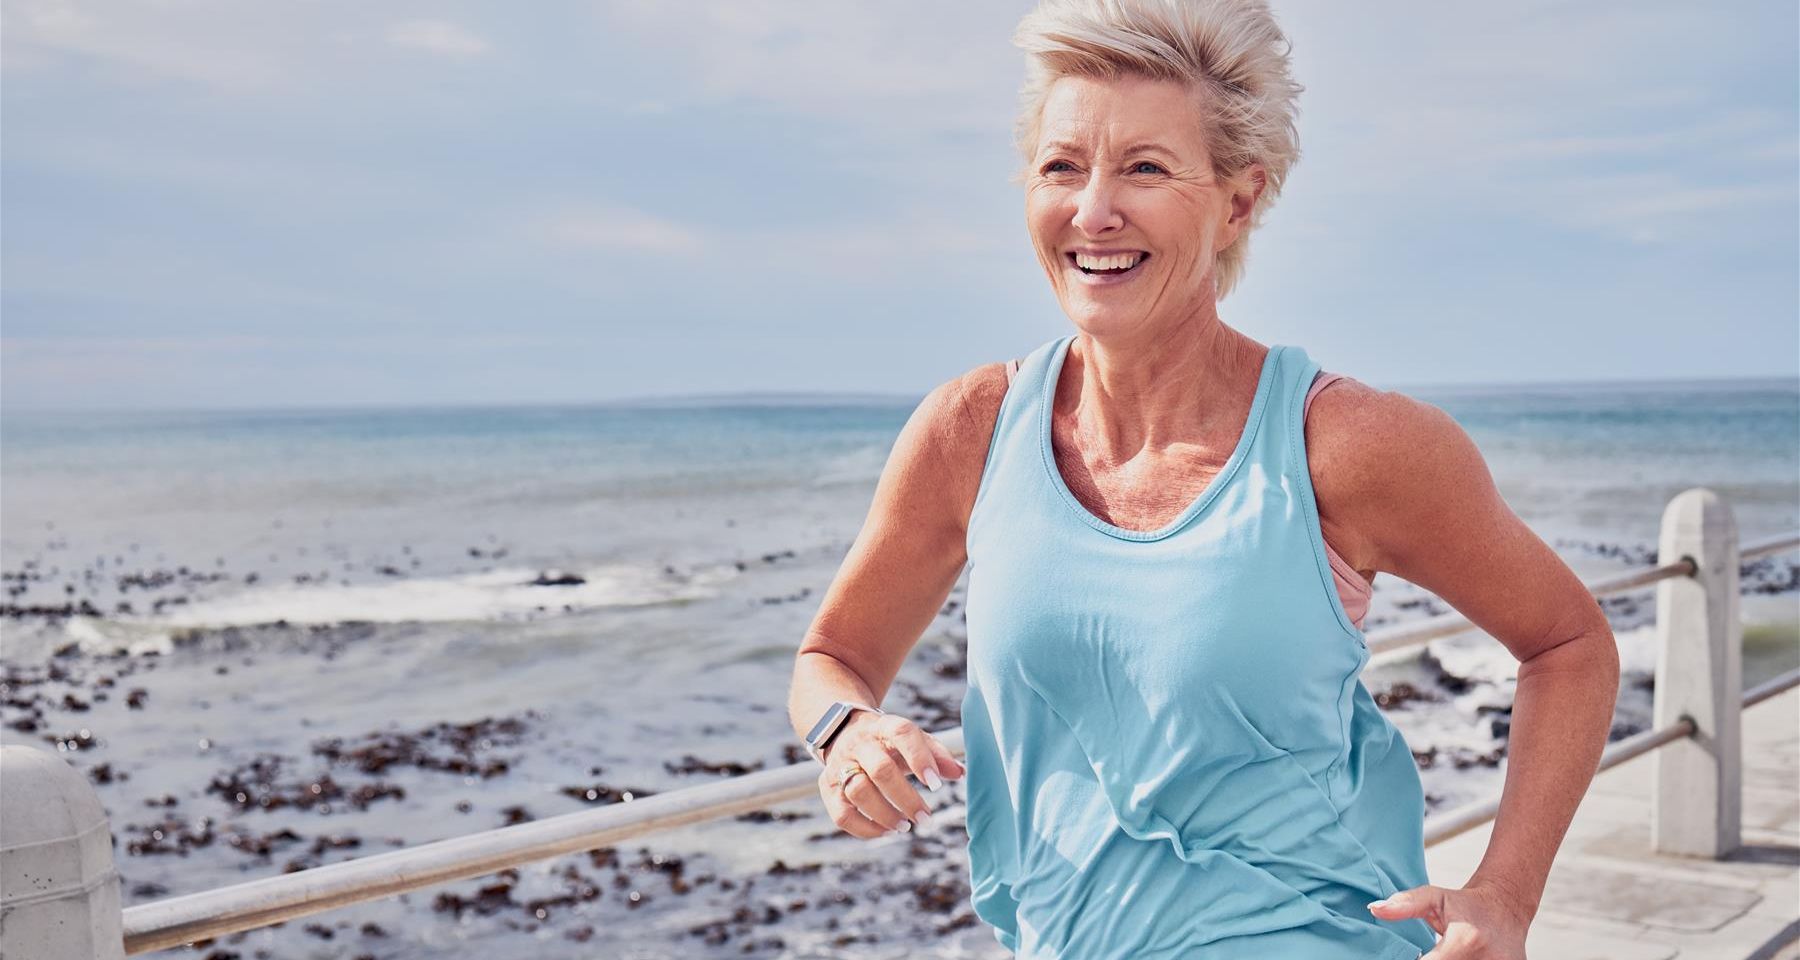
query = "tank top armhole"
x=987 y=463
x=1347 y=573
x=1349 y=592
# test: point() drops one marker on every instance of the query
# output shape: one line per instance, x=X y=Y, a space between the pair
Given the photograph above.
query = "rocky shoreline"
x=259 y=812
x=275 y=812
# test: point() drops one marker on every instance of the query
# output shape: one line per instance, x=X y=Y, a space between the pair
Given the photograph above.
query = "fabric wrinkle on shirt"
x=1169 y=749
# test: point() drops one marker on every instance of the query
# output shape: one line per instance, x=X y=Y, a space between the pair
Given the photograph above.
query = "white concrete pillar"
x=59 y=890
x=1698 y=807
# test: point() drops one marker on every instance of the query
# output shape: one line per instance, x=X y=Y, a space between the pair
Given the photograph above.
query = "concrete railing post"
x=1698 y=807
x=59 y=890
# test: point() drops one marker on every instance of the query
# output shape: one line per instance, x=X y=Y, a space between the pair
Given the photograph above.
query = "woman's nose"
x=1095 y=212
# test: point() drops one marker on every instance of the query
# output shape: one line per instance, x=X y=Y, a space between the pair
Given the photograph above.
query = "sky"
x=213 y=204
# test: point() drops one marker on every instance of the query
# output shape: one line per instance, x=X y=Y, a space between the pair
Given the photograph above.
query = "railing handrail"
x=211 y=913
x=1452 y=822
x=1406 y=635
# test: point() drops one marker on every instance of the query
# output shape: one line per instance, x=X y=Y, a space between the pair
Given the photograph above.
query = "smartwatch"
x=830 y=723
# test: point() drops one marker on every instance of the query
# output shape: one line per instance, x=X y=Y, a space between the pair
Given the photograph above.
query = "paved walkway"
x=1611 y=898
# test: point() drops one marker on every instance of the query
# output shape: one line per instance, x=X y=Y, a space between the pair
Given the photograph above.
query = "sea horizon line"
x=833 y=398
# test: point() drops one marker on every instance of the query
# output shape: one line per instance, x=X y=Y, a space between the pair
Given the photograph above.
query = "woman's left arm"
x=1414 y=496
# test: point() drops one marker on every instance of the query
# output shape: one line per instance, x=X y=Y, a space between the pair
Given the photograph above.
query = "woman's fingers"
x=917 y=753
x=947 y=764
x=888 y=748
x=884 y=795
x=844 y=813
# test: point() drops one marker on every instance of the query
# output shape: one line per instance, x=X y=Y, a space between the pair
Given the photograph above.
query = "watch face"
x=825 y=723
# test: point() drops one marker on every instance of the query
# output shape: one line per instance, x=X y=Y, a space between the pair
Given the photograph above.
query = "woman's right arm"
x=893 y=581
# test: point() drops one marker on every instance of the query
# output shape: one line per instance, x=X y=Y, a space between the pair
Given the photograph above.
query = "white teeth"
x=1117 y=261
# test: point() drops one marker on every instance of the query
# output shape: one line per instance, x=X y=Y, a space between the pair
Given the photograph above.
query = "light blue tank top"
x=1170 y=752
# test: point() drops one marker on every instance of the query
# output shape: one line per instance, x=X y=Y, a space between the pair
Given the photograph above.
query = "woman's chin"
x=1098 y=319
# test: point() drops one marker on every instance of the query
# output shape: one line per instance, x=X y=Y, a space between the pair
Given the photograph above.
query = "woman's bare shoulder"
x=1354 y=430
x=976 y=404
x=965 y=415
x=956 y=423
x=1368 y=450
x=913 y=543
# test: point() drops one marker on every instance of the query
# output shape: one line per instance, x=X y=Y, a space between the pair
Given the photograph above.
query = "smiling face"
x=1122 y=205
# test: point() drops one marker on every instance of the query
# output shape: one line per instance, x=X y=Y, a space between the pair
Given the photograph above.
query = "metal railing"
x=1465 y=818
x=1691 y=532
x=1450 y=823
x=1443 y=625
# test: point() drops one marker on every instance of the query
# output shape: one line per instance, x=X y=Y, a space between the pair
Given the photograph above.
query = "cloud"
x=208 y=166
x=227 y=50
x=230 y=370
x=1726 y=130
x=869 y=65
x=867 y=248
x=437 y=36
x=921 y=243
x=1623 y=122
x=615 y=228
x=1659 y=208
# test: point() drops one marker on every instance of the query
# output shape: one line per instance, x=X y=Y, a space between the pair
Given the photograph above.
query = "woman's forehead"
x=1121 y=115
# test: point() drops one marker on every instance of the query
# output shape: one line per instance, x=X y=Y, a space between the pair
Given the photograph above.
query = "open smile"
x=1108 y=267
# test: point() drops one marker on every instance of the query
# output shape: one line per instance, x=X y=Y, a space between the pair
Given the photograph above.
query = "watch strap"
x=833 y=720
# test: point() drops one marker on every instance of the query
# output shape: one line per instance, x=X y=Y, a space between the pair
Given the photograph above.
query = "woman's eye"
x=1058 y=166
x=1145 y=166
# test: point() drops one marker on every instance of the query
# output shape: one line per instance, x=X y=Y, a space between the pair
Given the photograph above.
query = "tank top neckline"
x=1053 y=371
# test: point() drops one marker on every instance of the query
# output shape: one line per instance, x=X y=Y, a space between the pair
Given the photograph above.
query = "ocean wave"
x=862 y=465
x=503 y=594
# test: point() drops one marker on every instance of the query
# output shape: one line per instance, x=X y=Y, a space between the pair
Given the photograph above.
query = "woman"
x=1170 y=546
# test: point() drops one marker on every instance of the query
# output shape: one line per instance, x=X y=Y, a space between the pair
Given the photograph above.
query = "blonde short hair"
x=1232 y=53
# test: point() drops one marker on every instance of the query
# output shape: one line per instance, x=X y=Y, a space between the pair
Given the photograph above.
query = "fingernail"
x=905 y=826
x=932 y=779
x=923 y=817
x=1377 y=903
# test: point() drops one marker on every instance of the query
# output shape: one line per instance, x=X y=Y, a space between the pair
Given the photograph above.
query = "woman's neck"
x=1156 y=388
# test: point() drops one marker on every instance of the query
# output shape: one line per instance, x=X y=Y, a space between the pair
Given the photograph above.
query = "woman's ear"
x=1246 y=186
x=1249 y=185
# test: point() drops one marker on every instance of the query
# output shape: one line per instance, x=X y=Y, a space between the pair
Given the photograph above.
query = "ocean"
x=276 y=639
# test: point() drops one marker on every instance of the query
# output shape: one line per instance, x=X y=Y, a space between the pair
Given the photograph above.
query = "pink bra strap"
x=1320 y=380
x=1012 y=368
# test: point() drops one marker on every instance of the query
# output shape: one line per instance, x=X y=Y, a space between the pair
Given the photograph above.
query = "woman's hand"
x=1477 y=922
x=879 y=799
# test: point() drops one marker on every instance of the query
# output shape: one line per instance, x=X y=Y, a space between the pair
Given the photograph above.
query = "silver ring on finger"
x=855 y=769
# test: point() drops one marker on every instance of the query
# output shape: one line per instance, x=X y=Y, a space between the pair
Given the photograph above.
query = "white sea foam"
x=1479 y=658
x=1476 y=657
x=103 y=636
x=1637 y=651
x=862 y=465
x=503 y=594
